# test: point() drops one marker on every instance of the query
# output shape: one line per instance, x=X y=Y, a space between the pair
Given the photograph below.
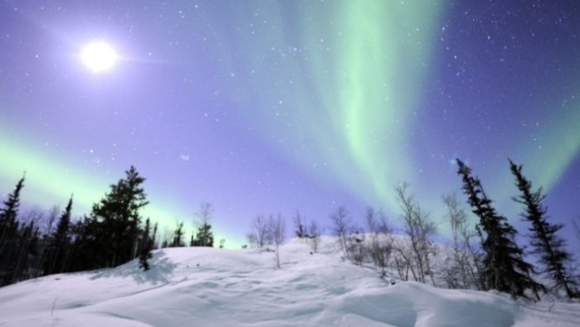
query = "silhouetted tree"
x=9 y=235
x=8 y=219
x=59 y=243
x=178 y=236
x=204 y=236
x=504 y=268
x=545 y=242
x=115 y=221
x=27 y=247
x=82 y=247
x=146 y=245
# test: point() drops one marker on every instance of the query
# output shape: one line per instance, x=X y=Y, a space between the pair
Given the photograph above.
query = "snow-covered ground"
x=217 y=287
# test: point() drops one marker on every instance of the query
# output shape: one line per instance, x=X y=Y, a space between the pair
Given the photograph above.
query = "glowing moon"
x=98 y=56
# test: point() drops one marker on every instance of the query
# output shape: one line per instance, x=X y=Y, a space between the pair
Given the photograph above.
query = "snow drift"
x=218 y=287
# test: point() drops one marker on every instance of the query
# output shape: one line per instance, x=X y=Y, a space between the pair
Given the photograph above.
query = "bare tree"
x=314 y=235
x=259 y=233
x=356 y=248
x=205 y=213
x=39 y=217
x=404 y=260
x=381 y=242
x=47 y=222
x=464 y=272
x=277 y=230
x=341 y=226
x=456 y=275
x=300 y=225
x=420 y=229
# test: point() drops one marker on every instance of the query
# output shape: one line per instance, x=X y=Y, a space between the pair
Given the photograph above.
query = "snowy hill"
x=217 y=287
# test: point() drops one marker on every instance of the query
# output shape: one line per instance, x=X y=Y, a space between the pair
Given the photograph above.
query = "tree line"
x=485 y=254
x=112 y=234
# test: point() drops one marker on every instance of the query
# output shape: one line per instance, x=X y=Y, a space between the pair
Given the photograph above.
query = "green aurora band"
x=353 y=107
x=384 y=65
x=362 y=93
x=48 y=179
x=352 y=110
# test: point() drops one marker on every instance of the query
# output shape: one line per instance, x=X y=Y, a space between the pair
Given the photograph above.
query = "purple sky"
x=278 y=106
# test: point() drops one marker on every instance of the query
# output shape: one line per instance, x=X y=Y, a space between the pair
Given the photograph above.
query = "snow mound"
x=217 y=287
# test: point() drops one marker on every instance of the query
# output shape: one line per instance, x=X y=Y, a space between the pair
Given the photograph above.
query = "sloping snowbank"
x=217 y=287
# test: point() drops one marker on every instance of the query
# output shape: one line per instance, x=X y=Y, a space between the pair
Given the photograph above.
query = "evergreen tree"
x=204 y=235
x=9 y=234
x=115 y=220
x=146 y=246
x=8 y=218
x=83 y=250
x=504 y=267
x=178 y=236
x=27 y=247
x=59 y=243
x=545 y=242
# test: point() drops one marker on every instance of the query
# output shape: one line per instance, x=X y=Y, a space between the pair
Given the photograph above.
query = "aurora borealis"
x=278 y=106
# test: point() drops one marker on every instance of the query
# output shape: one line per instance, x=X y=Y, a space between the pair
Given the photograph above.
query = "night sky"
x=278 y=106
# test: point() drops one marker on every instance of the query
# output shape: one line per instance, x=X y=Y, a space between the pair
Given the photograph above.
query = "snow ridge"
x=218 y=287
